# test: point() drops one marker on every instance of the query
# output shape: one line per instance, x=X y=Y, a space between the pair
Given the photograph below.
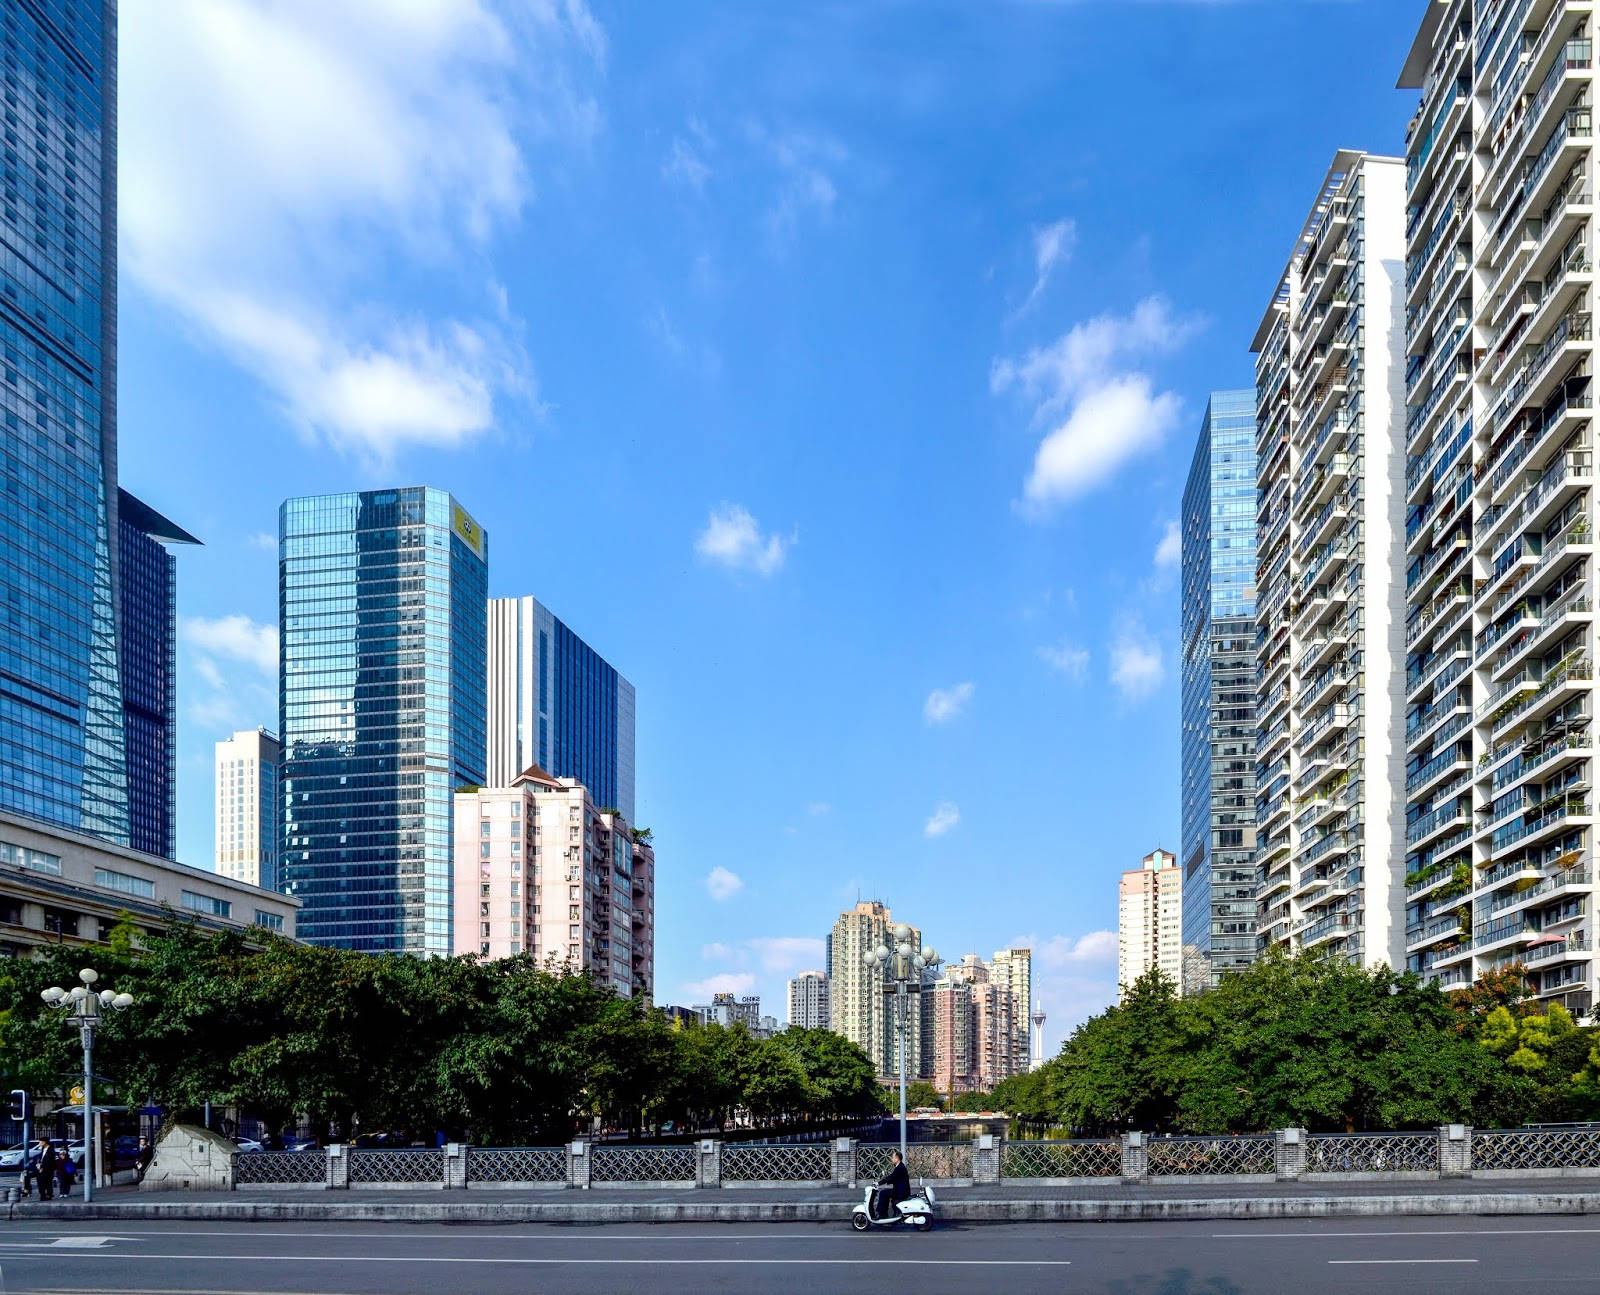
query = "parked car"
x=248 y=1144
x=12 y=1157
x=300 y=1144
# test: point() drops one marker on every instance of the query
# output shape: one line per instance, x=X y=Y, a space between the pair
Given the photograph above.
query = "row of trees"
x=502 y=1052
x=1305 y=1042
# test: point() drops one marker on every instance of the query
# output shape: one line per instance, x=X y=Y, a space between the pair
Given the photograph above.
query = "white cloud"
x=945 y=816
x=1053 y=246
x=722 y=884
x=1065 y=950
x=265 y=541
x=280 y=162
x=1103 y=412
x=733 y=539
x=236 y=637
x=728 y=982
x=783 y=955
x=1137 y=666
x=1067 y=657
x=944 y=704
x=1074 y=977
x=685 y=165
x=806 y=162
x=718 y=951
x=1169 y=552
x=817 y=808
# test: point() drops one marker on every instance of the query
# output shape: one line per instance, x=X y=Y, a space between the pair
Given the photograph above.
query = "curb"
x=1018 y=1211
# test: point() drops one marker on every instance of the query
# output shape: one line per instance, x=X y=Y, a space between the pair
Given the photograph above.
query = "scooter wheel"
x=921 y=1222
x=860 y=1222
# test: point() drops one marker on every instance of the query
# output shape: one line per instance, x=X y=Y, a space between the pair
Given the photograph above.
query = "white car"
x=12 y=1157
x=248 y=1144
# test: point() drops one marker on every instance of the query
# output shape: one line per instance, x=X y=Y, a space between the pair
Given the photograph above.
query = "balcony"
x=1452 y=815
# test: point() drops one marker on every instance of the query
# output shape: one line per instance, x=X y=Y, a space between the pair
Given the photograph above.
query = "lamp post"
x=84 y=1007
x=901 y=971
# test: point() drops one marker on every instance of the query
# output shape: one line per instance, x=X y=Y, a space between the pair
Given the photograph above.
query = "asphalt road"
x=1456 y=1255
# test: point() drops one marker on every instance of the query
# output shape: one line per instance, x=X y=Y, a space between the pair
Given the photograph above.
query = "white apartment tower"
x=1500 y=495
x=808 y=1001
x=1013 y=969
x=858 y=1006
x=540 y=870
x=1149 y=921
x=248 y=812
x=1330 y=608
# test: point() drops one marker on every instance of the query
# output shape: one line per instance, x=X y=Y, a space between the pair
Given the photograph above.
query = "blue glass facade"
x=382 y=615
x=1218 y=704
x=61 y=715
x=148 y=665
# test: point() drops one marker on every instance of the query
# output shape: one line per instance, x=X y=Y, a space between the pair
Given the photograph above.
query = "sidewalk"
x=1016 y=1201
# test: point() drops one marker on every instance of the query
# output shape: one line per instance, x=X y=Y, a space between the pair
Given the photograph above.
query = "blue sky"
x=832 y=368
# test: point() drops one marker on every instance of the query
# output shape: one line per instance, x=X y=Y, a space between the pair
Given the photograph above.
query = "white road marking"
x=602 y=1263
x=81 y=1243
x=1418 y=1232
x=1402 y=1261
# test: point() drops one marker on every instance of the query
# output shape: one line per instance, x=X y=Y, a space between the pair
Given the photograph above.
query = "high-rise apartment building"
x=974 y=1023
x=1013 y=969
x=62 y=749
x=808 y=1000
x=382 y=616
x=148 y=667
x=947 y=1061
x=249 y=808
x=541 y=870
x=1150 y=920
x=859 y=1006
x=1500 y=496
x=1330 y=605
x=1219 y=694
x=553 y=701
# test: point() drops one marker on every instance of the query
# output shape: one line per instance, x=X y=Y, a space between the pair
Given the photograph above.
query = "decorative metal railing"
x=1536 y=1149
x=644 y=1165
x=1061 y=1160
x=1245 y=1155
x=923 y=1159
x=516 y=1165
x=268 y=1167
x=799 y=1162
x=419 y=1166
x=1372 y=1153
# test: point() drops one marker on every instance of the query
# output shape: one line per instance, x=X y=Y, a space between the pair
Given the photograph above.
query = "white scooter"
x=916 y=1212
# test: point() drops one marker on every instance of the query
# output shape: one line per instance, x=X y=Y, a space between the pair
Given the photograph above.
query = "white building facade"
x=1330 y=609
x=1150 y=921
x=1501 y=482
x=248 y=809
x=808 y=1001
x=858 y=1006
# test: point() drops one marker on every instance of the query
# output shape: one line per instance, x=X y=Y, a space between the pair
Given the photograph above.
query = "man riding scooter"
x=893 y=1187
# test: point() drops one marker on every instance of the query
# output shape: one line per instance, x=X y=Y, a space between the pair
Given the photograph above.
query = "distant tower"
x=1037 y=1018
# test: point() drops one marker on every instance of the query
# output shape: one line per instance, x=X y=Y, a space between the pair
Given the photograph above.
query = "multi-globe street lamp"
x=84 y=1007
x=901 y=969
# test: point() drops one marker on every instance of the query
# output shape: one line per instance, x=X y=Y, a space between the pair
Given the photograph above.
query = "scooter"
x=916 y=1212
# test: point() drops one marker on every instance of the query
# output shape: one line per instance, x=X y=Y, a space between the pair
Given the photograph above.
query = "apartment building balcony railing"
x=1329 y=847
x=1561 y=881
x=1442 y=668
x=1575 y=603
x=1430 y=823
x=1453 y=598
x=1459 y=369
x=1554 y=813
x=1562 y=948
x=1336 y=674
x=1443 y=762
x=1578 y=744
x=1438 y=458
x=1580 y=671
x=1575 y=127
x=1421 y=937
x=1315 y=531
x=1576 y=57
x=1575 y=327
x=1430 y=562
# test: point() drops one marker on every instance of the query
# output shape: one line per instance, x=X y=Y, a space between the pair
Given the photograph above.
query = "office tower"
x=541 y=870
x=149 y=671
x=249 y=808
x=381 y=709
x=62 y=753
x=1150 y=921
x=1330 y=608
x=553 y=701
x=1500 y=497
x=1013 y=968
x=1219 y=694
x=808 y=1000
x=859 y=1006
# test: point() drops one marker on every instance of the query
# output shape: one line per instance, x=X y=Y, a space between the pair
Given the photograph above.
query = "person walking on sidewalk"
x=44 y=1169
x=142 y=1159
x=66 y=1171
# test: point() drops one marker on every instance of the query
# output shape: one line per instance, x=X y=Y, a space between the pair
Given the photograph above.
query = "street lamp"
x=84 y=1007
x=901 y=970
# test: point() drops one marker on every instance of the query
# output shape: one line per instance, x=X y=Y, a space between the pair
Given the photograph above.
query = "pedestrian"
x=66 y=1171
x=45 y=1169
x=142 y=1158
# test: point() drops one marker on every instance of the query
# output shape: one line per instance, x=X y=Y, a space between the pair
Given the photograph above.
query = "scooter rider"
x=893 y=1187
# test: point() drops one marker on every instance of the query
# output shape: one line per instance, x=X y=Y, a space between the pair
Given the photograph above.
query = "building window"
x=38 y=860
x=121 y=881
x=269 y=921
x=207 y=904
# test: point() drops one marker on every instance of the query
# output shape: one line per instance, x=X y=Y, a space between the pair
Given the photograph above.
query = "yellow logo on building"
x=467 y=529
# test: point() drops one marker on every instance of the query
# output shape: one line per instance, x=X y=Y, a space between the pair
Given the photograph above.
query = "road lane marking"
x=1417 y=1232
x=551 y=1262
x=1402 y=1261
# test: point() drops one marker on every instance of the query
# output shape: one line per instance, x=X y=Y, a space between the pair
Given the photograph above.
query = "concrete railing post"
x=455 y=1166
x=338 y=1166
x=844 y=1162
x=1289 y=1153
x=1455 y=1150
x=986 y=1158
x=1135 y=1157
x=709 y=1169
x=579 y=1167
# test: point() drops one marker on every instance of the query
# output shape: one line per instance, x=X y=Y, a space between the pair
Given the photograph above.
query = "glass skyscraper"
x=149 y=649
x=557 y=703
x=383 y=600
x=62 y=753
x=1219 y=699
